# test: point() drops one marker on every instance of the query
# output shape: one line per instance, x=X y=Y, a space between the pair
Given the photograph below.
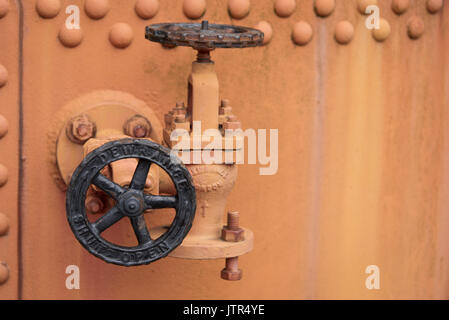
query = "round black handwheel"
x=204 y=35
x=131 y=202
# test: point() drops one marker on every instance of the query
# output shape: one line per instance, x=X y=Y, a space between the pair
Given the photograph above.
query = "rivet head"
x=4 y=224
x=267 y=30
x=4 y=272
x=344 y=32
x=48 y=9
x=194 y=9
x=433 y=6
x=4 y=8
x=302 y=33
x=70 y=38
x=284 y=8
x=96 y=9
x=121 y=35
x=3 y=175
x=3 y=76
x=238 y=9
x=146 y=9
x=324 y=8
x=4 y=126
x=363 y=4
x=400 y=6
x=415 y=27
x=383 y=32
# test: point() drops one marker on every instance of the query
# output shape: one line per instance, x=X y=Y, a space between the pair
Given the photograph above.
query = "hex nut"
x=137 y=127
x=231 y=275
x=232 y=235
x=81 y=129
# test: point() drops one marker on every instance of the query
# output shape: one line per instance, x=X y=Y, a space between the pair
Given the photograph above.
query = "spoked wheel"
x=130 y=202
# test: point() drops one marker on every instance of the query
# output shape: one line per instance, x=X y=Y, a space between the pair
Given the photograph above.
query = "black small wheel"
x=131 y=202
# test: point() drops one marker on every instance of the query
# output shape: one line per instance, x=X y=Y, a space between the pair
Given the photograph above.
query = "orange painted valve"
x=213 y=182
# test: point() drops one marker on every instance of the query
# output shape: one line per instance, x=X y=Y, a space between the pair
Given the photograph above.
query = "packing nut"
x=137 y=127
x=81 y=129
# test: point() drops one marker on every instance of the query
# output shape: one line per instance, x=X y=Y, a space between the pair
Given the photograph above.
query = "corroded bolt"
x=233 y=220
x=225 y=107
x=81 y=129
x=180 y=118
x=179 y=109
x=140 y=131
x=232 y=123
x=94 y=205
x=232 y=232
x=137 y=127
x=231 y=271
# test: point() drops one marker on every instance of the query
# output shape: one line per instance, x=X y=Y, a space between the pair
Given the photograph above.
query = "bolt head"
x=81 y=129
x=231 y=275
x=137 y=127
x=94 y=205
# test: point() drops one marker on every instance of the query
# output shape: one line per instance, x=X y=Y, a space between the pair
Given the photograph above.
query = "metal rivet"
x=194 y=9
x=344 y=31
x=146 y=9
x=363 y=4
x=433 y=6
x=48 y=9
x=383 y=32
x=324 y=8
x=3 y=126
x=4 y=272
x=284 y=8
x=4 y=224
x=302 y=33
x=121 y=35
x=3 y=175
x=238 y=9
x=415 y=27
x=70 y=38
x=4 y=8
x=3 y=76
x=267 y=30
x=400 y=6
x=96 y=9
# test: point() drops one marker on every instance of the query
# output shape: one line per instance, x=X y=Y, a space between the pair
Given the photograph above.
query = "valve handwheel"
x=204 y=36
x=131 y=202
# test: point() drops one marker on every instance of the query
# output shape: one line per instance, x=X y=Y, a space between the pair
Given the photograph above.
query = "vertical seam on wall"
x=20 y=150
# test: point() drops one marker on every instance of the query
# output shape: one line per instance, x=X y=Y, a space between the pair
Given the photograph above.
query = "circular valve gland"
x=130 y=202
x=204 y=36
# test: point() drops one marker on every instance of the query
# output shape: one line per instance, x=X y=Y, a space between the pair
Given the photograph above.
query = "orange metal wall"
x=363 y=173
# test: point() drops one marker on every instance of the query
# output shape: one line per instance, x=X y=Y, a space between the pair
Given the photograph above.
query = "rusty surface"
x=363 y=154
